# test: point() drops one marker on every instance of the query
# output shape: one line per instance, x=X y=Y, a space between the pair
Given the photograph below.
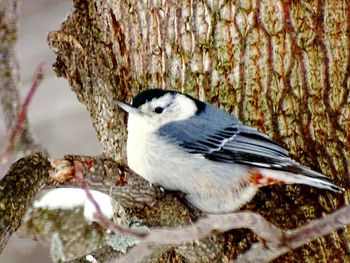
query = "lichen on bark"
x=18 y=189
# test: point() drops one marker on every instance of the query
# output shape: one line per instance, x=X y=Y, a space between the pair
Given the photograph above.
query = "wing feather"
x=228 y=140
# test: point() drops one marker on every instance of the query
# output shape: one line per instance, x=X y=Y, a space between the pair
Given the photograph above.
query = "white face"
x=159 y=111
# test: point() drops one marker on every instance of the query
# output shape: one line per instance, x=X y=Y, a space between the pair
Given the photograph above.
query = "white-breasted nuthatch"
x=183 y=144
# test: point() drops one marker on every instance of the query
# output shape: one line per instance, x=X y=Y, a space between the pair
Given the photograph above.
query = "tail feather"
x=307 y=177
x=318 y=183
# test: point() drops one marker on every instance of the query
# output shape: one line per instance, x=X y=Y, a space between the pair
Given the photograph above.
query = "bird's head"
x=155 y=107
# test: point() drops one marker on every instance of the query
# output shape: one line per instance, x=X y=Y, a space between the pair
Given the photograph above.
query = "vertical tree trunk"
x=281 y=66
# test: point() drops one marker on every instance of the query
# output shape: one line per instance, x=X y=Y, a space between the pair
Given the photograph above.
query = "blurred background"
x=60 y=123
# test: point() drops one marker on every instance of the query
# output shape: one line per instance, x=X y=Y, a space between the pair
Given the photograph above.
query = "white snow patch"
x=69 y=198
x=90 y=258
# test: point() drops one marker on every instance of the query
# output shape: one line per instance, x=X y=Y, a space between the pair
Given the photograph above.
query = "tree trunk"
x=281 y=66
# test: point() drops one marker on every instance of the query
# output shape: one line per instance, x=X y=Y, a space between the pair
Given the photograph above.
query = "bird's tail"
x=304 y=176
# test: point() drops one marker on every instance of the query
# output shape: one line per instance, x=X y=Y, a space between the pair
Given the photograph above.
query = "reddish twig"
x=38 y=76
x=17 y=128
x=100 y=217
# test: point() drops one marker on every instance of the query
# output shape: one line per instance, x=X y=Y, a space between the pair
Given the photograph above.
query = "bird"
x=183 y=144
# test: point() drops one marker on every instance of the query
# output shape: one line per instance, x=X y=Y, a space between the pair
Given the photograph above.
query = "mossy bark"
x=281 y=66
x=18 y=189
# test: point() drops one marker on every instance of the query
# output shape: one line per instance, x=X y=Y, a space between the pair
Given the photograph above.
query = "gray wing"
x=225 y=139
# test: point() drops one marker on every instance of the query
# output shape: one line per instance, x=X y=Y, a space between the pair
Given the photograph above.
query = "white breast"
x=211 y=186
x=138 y=136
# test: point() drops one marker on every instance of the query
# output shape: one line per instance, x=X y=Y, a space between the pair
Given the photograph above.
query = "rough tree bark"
x=17 y=192
x=281 y=66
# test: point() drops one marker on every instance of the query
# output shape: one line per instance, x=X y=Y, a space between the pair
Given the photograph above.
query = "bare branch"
x=204 y=227
x=275 y=241
x=17 y=189
x=38 y=75
x=112 y=178
x=21 y=118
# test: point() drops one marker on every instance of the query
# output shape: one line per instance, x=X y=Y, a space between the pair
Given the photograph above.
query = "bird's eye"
x=158 y=110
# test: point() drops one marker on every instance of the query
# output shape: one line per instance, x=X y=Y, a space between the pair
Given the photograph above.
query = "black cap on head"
x=148 y=95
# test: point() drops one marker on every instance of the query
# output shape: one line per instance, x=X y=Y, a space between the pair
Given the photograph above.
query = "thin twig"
x=21 y=117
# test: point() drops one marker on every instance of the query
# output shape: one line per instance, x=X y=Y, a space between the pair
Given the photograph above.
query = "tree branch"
x=275 y=241
x=17 y=190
